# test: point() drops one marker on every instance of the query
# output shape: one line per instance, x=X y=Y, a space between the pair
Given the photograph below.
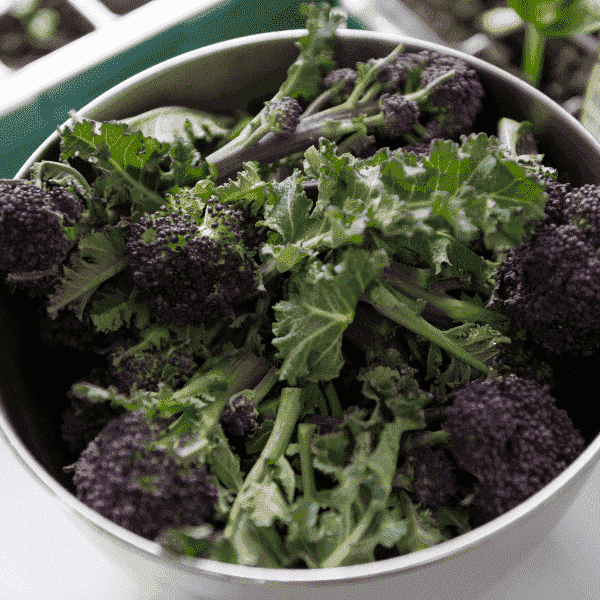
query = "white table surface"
x=43 y=556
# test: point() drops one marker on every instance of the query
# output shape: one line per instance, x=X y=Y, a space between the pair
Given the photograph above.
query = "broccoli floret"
x=35 y=234
x=282 y=115
x=404 y=71
x=455 y=103
x=550 y=284
x=555 y=203
x=510 y=434
x=141 y=488
x=399 y=115
x=582 y=208
x=451 y=108
x=239 y=416
x=370 y=99
x=146 y=369
x=431 y=475
x=346 y=75
x=192 y=266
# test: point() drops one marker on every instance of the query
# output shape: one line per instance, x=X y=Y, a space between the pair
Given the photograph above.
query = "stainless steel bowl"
x=221 y=78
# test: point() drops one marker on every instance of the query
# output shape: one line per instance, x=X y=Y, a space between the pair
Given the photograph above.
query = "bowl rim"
x=246 y=574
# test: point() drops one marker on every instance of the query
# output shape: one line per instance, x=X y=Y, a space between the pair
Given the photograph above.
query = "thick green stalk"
x=305 y=433
x=290 y=406
x=336 y=558
x=457 y=310
x=228 y=378
x=332 y=123
x=264 y=386
x=383 y=461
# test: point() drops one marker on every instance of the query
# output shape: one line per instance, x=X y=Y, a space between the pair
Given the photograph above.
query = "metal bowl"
x=221 y=78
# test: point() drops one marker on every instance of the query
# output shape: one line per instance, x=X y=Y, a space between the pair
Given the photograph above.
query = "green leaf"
x=268 y=500
x=128 y=159
x=482 y=342
x=309 y=325
x=559 y=18
x=100 y=257
x=112 y=313
x=223 y=462
x=287 y=209
x=317 y=48
x=423 y=529
x=171 y=124
x=248 y=186
x=475 y=187
x=60 y=174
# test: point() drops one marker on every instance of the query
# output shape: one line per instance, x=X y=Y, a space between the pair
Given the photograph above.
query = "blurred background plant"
x=30 y=29
x=551 y=19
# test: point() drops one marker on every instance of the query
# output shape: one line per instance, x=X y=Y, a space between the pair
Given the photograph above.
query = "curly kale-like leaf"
x=128 y=158
x=132 y=168
x=474 y=186
x=309 y=325
x=483 y=342
x=101 y=256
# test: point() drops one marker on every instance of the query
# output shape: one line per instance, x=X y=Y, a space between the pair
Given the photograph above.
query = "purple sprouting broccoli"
x=399 y=115
x=453 y=106
x=404 y=72
x=512 y=437
x=549 y=285
x=192 y=260
x=431 y=476
x=555 y=203
x=430 y=94
x=144 y=489
x=35 y=231
x=344 y=79
x=582 y=208
x=282 y=115
x=146 y=369
x=239 y=416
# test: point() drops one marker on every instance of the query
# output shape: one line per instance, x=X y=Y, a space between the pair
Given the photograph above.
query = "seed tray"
x=89 y=32
x=113 y=44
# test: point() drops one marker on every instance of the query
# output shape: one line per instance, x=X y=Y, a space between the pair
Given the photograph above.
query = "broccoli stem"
x=386 y=453
x=430 y=438
x=333 y=400
x=406 y=312
x=417 y=537
x=453 y=308
x=264 y=386
x=320 y=101
x=363 y=108
x=336 y=558
x=288 y=412
x=305 y=433
x=229 y=377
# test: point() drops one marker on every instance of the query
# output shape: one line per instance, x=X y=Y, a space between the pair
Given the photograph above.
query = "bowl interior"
x=242 y=74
